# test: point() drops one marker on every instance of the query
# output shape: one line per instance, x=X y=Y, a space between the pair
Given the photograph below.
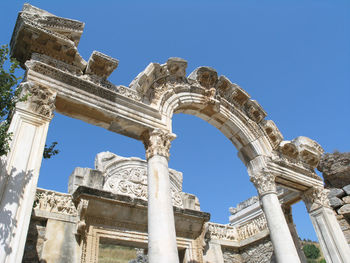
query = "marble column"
x=332 y=240
x=287 y=210
x=162 y=245
x=19 y=176
x=281 y=237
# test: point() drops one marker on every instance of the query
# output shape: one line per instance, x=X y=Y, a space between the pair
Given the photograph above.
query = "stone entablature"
x=52 y=59
x=46 y=45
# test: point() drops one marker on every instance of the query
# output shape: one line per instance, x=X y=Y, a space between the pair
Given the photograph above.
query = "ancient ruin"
x=134 y=203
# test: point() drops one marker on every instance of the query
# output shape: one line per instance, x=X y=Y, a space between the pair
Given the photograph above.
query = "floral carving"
x=41 y=100
x=54 y=202
x=316 y=197
x=158 y=142
x=133 y=182
x=264 y=182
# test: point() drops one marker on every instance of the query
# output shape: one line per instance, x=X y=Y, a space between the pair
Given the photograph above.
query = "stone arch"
x=46 y=45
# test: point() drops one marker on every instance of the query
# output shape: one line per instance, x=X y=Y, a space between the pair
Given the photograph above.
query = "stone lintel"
x=116 y=207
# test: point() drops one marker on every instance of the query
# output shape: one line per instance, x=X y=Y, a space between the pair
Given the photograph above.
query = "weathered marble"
x=60 y=79
x=335 y=168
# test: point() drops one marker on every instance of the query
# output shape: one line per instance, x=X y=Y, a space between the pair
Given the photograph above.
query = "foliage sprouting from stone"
x=9 y=96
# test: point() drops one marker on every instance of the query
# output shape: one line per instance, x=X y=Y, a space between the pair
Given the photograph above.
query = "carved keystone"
x=310 y=151
x=206 y=76
x=177 y=66
x=101 y=65
x=255 y=111
x=273 y=133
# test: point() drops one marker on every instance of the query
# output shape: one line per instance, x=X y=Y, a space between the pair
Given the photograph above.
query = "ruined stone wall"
x=258 y=252
x=35 y=241
x=335 y=168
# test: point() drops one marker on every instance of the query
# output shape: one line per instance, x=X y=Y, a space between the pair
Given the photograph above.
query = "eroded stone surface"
x=335 y=168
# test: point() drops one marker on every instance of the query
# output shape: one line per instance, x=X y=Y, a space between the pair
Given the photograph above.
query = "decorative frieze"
x=222 y=232
x=54 y=202
x=253 y=227
x=264 y=182
x=158 y=142
x=316 y=197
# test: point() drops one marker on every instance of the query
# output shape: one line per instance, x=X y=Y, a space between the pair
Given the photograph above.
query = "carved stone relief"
x=316 y=197
x=40 y=100
x=54 y=202
x=253 y=227
x=222 y=232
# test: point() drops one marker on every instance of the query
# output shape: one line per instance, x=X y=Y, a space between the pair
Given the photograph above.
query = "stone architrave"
x=281 y=237
x=329 y=233
x=162 y=245
x=20 y=171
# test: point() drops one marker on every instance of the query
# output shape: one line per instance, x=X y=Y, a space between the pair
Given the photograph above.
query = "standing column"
x=333 y=243
x=287 y=209
x=20 y=172
x=162 y=245
x=281 y=238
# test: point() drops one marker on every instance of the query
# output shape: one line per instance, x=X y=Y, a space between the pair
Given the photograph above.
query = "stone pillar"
x=333 y=243
x=21 y=166
x=287 y=209
x=281 y=237
x=162 y=245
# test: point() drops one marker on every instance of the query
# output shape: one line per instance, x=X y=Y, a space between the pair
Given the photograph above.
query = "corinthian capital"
x=316 y=197
x=40 y=99
x=158 y=142
x=264 y=182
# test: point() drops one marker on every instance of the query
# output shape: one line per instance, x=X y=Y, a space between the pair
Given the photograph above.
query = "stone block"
x=347 y=189
x=336 y=192
x=339 y=217
x=344 y=210
x=85 y=176
x=335 y=202
x=346 y=199
x=344 y=224
x=347 y=235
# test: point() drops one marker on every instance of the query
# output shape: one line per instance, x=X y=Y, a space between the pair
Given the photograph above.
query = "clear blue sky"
x=291 y=56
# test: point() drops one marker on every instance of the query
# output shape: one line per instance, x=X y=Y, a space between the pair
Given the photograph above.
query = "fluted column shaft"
x=20 y=168
x=332 y=240
x=162 y=245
